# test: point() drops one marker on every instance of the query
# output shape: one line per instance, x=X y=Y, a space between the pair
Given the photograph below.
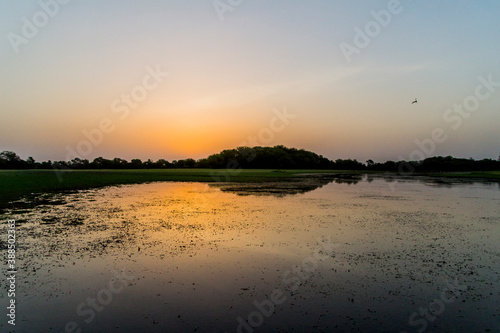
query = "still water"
x=367 y=254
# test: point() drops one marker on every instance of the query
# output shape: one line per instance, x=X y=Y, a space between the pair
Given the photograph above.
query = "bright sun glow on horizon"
x=173 y=80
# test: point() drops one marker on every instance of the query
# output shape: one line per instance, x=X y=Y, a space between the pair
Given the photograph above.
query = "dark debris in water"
x=396 y=251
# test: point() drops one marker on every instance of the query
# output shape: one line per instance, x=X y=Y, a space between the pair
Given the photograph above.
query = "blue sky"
x=225 y=77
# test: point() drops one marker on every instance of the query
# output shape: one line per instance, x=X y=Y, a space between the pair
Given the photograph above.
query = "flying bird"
x=415 y=101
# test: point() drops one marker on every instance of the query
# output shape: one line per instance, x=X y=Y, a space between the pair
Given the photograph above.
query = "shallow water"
x=344 y=254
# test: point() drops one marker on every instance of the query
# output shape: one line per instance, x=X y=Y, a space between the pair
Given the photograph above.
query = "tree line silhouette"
x=278 y=157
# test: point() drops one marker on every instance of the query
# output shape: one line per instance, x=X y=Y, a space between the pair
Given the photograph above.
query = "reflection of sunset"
x=191 y=247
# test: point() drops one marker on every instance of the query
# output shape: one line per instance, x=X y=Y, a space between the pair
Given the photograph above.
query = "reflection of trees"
x=348 y=178
x=279 y=189
x=302 y=184
x=309 y=182
x=445 y=182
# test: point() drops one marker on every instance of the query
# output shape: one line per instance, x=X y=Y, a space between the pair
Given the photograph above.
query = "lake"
x=348 y=254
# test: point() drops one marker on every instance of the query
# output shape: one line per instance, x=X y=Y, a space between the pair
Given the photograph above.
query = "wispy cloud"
x=251 y=93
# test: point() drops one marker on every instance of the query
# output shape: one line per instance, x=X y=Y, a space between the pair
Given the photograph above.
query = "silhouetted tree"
x=10 y=160
x=162 y=164
x=136 y=163
x=278 y=157
x=119 y=163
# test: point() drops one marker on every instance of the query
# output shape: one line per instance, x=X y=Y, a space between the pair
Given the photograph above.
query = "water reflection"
x=447 y=182
x=310 y=182
x=298 y=185
x=202 y=255
x=302 y=184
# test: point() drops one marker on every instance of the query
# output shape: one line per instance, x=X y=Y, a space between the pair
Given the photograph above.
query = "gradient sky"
x=225 y=77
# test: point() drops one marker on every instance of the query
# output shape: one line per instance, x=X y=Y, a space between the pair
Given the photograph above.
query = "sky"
x=186 y=79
